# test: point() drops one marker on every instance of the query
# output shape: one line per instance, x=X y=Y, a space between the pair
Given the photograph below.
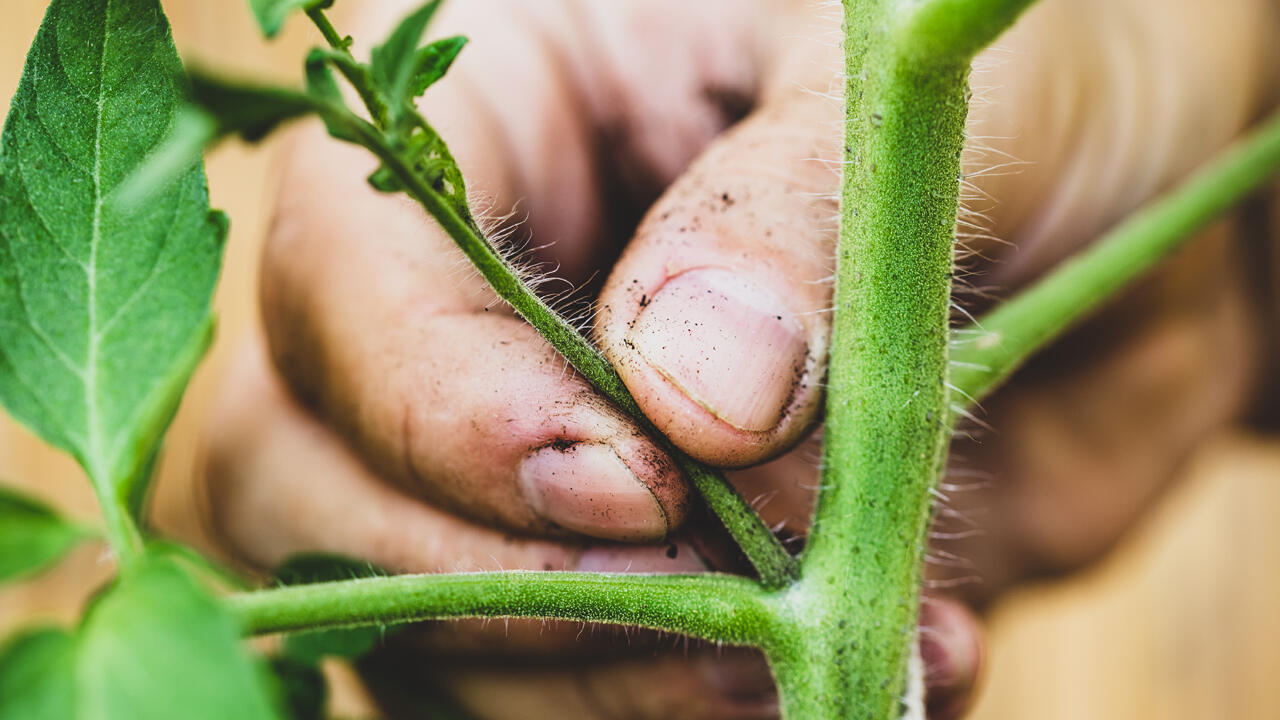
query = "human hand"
x=440 y=433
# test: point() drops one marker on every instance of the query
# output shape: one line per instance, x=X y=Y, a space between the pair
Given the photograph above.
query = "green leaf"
x=152 y=647
x=205 y=568
x=321 y=84
x=310 y=568
x=32 y=536
x=245 y=108
x=433 y=62
x=385 y=180
x=224 y=107
x=320 y=80
x=429 y=158
x=104 y=305
x=191 y=130
x=37 y=679
x=156 y=646
x=395 y=61
x=308 y=647
x=271 y=14
x=442 y=171
x=139 y=499
x=301 y=691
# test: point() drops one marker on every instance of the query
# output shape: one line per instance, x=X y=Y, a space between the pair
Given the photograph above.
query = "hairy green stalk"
x=887 y=431
x=774 y=564
x=1000 y=342
x=722 y=608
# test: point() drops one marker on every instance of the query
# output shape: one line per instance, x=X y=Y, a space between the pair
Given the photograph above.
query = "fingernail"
x=728 y=344
x=587 y=488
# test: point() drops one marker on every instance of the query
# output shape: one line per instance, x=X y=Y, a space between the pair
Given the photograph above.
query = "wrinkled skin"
x=398 y=414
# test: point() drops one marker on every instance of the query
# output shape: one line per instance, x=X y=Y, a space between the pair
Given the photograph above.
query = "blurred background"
x=1180 y=623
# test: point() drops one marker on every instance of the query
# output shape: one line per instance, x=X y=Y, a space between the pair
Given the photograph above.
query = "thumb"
x=715 y=314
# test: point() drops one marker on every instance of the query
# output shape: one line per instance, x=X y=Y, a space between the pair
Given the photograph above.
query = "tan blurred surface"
x=1180 y=624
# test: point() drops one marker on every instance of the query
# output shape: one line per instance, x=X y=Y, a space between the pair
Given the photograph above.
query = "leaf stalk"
x=987 y=353
x=722 y=608
x=355 y=73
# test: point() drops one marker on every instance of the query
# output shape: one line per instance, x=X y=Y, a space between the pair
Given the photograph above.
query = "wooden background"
x=1183 y=623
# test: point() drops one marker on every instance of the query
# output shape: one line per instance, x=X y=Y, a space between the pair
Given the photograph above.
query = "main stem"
x=886 y=425
x=887 y=432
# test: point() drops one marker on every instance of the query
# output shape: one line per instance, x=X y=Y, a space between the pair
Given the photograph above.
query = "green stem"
x=887 y=431
x=774 y=564
x=722 y=608
x=1000 y=342
x=954 y=31
x=355 y=72
x=327 y=30
x=121 y=531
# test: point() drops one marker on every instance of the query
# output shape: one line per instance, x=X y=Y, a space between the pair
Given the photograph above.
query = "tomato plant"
x=111 y=255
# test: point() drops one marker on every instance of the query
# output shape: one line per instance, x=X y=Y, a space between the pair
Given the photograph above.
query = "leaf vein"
x=36 y=328
x=37 y=397
x=152 y=274
x=14 y=367
x=49 y=132
x=91 y=363
x=44 y=224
